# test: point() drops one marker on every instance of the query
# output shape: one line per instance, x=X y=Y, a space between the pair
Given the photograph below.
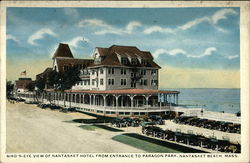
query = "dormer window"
x=133 y=61
x=143 y=62
x=124 y=60
x=97 y=58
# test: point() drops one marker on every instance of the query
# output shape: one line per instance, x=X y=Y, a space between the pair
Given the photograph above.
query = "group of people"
x=12 y=101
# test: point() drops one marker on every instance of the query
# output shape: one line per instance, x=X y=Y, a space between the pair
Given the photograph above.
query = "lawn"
x=88 y=127
x=152 y=145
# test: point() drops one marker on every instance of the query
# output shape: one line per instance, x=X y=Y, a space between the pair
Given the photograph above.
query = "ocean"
x=212 y=99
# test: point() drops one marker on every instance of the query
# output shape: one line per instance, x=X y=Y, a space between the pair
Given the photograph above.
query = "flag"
x=23 y=73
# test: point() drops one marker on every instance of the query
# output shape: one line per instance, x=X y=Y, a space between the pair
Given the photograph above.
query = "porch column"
x=104 y=102
x=147 y=97
x=132 y=100
x=132 y=103
x=160 y=94
x=166 y=98
x=90 y=99
x=94 y=100
x=122 y=101
x=71 y=97
x=116 y=99
x=174 y=99
x=177 y=100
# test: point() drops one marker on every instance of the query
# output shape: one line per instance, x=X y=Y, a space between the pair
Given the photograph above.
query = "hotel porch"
x=129 y=102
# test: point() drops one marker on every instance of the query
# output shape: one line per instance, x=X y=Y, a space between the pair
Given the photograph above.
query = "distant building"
x=21 y=85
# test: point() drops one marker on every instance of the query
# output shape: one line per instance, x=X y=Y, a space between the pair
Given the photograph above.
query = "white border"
x=244 y=71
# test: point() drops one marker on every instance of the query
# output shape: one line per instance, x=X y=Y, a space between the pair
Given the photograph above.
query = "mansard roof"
x=46 y=71
x=63 y=50
x=110 y=58
x=81 y=63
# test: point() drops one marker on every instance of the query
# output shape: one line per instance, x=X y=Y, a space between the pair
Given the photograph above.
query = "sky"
x=196 y=47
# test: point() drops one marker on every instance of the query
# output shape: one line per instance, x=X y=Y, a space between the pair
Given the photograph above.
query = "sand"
x=31 y=129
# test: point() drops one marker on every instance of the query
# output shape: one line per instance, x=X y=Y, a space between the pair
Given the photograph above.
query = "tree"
x=61 y=80
x=9 y=88
x=40 y=84
x=69 y=78
x=53 y=78
x=31 y=86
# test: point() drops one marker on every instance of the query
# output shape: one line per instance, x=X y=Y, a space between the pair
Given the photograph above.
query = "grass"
x=94 y=127
x=152 y=145
x=88 y=127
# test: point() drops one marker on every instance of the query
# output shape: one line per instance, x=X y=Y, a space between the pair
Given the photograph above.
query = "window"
x=85 y=82
x=111 y=70
x=93 y=72
x=101 y=81
x=154 y=82
x=143 y=72
x=141 y=82
x=93 y=81
x=124 y=60
x=110 y=81
x=123 y=71
x=153 y=72
x=123 y=82
x=101 y=71
x=143 y=62
x=133 y=61
x=145 y=82
x=133 y=84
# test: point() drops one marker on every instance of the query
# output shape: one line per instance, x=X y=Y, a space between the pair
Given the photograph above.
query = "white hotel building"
x=118 y=81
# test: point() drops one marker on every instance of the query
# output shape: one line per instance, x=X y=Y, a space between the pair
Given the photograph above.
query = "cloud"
x=212 y=20
x=38 y=35
x=93 y=22
x=75 y=41
x=107 y=28
x=131 y=26
x=207 y=52
x=158 y=29
x=232 y=57
x=194 y=23
x=71 y=12
x=13 y=38
x=173 y=52
x=221 y=14
x=109 y=31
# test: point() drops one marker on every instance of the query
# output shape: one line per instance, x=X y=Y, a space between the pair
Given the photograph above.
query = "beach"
x=31 y=129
